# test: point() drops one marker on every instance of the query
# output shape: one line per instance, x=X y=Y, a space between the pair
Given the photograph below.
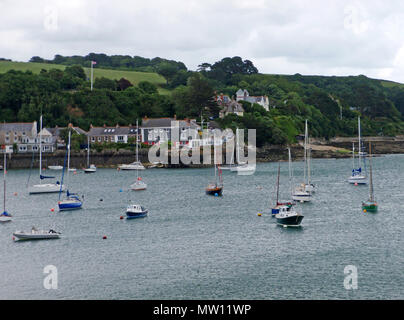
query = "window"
x=93 y=139
x=105 y=138
x=99 y=139
x=120 y=139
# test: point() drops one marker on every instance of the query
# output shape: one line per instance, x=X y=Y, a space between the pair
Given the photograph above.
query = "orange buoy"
x=53 y=209
x=356 y=184
x=104 y=237
x=121 y=217
x=15 y=193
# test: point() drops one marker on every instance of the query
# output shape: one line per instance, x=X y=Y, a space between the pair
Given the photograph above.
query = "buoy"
x=13 y=238
x=75 y=172
x=216 y=194
x=15 y=193
x=259 y=214
x=121 y=217
x=120 y=190
x=356 y=184
x=104 y=237
x=365 y=211
x=101 y=200
x=53 y=209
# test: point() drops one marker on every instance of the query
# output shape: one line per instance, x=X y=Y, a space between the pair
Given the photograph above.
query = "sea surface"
x=194 y=246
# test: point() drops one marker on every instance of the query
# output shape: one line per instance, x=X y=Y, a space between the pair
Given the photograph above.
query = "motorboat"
x=36 y=234
x=288 y=217
x=134 y=211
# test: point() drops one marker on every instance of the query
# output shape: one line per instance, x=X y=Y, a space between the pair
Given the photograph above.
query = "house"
x=243 y=95
x=26 y=137
x=160 y=130
x=56 y=132
x=112 y=134
x=232 y=107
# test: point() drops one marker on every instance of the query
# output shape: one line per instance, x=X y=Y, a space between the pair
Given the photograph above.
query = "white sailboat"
x=139 y=184
x=72 y=200
x=90 y=168
x=357 y=176
x=44 y=187
x=5 y=216
x=308 y=187
x=242 y=168
x=300 y=194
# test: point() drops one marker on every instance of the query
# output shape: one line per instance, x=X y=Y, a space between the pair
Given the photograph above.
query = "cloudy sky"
x=332 y=37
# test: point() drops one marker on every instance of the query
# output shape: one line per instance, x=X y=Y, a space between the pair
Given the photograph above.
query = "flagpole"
x=91 y=75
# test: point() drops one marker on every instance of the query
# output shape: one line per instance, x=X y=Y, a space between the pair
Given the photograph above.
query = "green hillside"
x=133 y=76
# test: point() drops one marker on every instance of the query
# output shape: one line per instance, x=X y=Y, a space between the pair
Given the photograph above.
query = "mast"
x=137 y=143
x=305 y=151
x=277 y=184
x=353 y=156
x=371 y=194
x=88 y=151
x=359 y=137
x=68 y=157
x=309 y=163
x=290 y=172
x=40 y=150
x=4 y=178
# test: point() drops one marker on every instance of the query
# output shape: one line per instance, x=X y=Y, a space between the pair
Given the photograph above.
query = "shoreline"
x=338 y=148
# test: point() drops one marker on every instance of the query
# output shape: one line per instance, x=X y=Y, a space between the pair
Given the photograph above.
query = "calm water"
x=192 y=246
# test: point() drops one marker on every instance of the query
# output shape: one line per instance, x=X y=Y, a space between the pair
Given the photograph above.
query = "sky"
x=332 y=37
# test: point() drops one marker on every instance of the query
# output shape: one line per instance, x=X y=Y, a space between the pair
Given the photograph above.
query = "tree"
x=124 y=84
x=76 y=71
x=105 y=83
x=147 y=87
x=167 y=70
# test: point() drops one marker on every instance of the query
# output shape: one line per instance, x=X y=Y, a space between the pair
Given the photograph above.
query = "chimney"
x=117 y=126
x=175 y=117
x=70 y=125
x=91 y=125
x=105 y=125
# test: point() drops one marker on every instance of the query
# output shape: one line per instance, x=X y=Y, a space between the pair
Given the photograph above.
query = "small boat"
x=46 y=187
x=215 y=189
x=288 y=217
x=279 y=204
x=35 y=234
x=308 y=186
x=357 y=177
x=134 y=211
x=72 y=202
x=139 y=185
x=132 y=166
x=370 y=205
x=244 y=170
x=90 y=168
x=301 y=195
x=55 y=167
x=5 y=216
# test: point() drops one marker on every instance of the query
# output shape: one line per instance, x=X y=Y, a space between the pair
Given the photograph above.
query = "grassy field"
x=133 y=76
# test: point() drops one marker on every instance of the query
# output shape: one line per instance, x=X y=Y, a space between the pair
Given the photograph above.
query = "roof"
x=56 y=131
x=17 y=126
x=233 y=106
x=111 y=131
x=166 y=123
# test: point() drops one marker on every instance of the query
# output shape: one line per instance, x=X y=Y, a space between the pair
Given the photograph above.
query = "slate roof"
x=17 y=126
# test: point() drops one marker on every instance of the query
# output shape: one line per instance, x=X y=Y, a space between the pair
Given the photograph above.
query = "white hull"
x=45 y=188
x=244 y=170
x=302 y=196
x=90 y=169
x=131 y=167
x=309 y=188
x=139 y=186
x=358 y=180
x=5 y=219
x=55 y=167
x=36 y=235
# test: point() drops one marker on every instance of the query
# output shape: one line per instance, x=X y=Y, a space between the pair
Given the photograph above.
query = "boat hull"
x=214 y=191
x=28 y=236
x=358 y=180
x=45 y=188
x=290 y=221
x=135 y=215
x=68 y=205
x=369 y=207
x=5 y=219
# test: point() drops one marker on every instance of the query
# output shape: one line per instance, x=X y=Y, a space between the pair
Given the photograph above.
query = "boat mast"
x=305 y=151
x=40 y=151
x=290 y=172
x=137 y=143
x=88 y=151
x=371 y=195
x=359 y=137
x=68 y=157
x=353 y=155
x=4 y=178
x=277 y=184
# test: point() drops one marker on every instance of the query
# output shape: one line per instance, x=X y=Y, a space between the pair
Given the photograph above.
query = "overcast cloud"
x=280 y=36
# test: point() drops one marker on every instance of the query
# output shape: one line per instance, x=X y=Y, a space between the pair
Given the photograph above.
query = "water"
x=193 y=246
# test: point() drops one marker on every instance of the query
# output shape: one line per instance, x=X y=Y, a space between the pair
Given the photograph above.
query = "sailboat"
x=90 y=168
x=216 y=188
x=44 y=187
x=309 y=187
x=287 y=215
x=242 y=168
x=72 y=200
x=370 y=205
x=275 y=210
x=139 y=184
x=300 y=193
x=357 y=176
x=5 y=216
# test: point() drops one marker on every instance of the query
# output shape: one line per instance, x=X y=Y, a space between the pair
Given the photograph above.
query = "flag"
x=93 y=62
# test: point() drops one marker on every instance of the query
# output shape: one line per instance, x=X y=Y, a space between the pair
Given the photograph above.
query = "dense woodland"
x=65 y=96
